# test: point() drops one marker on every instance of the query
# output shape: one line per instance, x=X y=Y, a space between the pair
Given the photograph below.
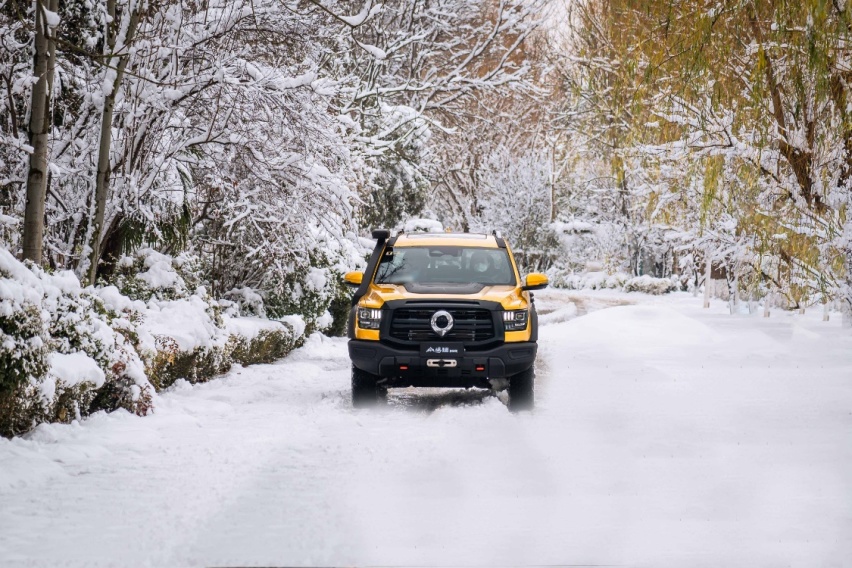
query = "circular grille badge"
x=442 y=322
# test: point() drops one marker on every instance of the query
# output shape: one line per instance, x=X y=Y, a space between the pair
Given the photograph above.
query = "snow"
x=159 y=272
x=17 y=284
x=249 y=327
x=296 y=322
x=116 y=301
x=423 y=225
x=376 y=52
x=75 y=368
x=559 y=315
x=316 y=278
x=187 y=321
x=664 y=435
x=572 y=227
x=639 y=330
x=325 y=320
x=367 y=11
x=52 y=18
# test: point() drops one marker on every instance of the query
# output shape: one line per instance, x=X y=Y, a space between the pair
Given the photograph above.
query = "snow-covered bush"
x=150 y=274
x=170 y=363
x=10 y=230
x=315 y=288
x=184 y=339
x=650 y=285
x=423 y=225
x=67 y=351
x=82 y=323
x=243 y=301
x=61 y=356
x=23 y=325
x=307 y=292
x=560 y=278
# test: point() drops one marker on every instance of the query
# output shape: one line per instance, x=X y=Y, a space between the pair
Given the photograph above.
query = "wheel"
x=365 y=388
x=522 y=390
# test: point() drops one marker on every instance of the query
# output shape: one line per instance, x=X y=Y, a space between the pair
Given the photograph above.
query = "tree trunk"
x=39 y=128
x=105 y=144
x=695 y=270
x=708 y=272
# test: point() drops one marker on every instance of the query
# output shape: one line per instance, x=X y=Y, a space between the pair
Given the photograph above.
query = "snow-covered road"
x=664 y=435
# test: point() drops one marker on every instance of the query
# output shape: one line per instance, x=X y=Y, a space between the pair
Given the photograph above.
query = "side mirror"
x=353 y=278
x=535 y=281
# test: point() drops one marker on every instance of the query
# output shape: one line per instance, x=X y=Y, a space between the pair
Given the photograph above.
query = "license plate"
x=442 y=350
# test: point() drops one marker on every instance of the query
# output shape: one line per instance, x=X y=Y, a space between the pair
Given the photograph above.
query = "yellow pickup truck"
x=442 y=310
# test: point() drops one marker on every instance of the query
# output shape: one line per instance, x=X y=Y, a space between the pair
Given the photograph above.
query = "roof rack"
x=499 y=238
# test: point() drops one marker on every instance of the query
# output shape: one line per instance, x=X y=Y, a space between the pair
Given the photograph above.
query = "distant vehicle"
x=443 y=310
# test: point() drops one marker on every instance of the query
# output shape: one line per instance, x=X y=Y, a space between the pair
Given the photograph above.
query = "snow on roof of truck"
x=457 y=239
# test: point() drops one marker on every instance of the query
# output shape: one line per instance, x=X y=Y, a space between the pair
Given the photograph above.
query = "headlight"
x=515 y=320
x=369 y=318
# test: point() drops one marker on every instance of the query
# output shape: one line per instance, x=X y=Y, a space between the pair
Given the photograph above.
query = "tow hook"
x=441 y=362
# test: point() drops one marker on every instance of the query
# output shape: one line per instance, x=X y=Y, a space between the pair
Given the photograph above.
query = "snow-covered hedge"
x=67 y=351
x=587 y=281
x=617 y=281
x=256 y=340
x=63 y=352
x=651 y=285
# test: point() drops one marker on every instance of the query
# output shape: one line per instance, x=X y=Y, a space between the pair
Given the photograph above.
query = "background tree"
x=739 y=129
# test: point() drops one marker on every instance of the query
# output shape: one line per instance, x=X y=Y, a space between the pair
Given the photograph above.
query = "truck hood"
x=510 y=297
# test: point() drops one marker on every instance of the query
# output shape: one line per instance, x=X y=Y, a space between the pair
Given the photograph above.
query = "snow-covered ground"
x=664 y=435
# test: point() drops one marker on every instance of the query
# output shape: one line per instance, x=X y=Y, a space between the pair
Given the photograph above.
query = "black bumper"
x=403 y=367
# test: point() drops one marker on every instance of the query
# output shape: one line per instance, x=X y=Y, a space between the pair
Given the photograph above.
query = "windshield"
x=445 y=264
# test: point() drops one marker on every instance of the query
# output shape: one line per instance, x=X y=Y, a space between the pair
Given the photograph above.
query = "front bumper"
x=404 y=367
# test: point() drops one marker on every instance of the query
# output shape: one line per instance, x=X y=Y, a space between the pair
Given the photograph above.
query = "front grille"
x=414 y=324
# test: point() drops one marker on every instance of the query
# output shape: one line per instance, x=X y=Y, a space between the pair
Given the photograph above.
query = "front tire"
x=365 y=388
x=522 y=390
